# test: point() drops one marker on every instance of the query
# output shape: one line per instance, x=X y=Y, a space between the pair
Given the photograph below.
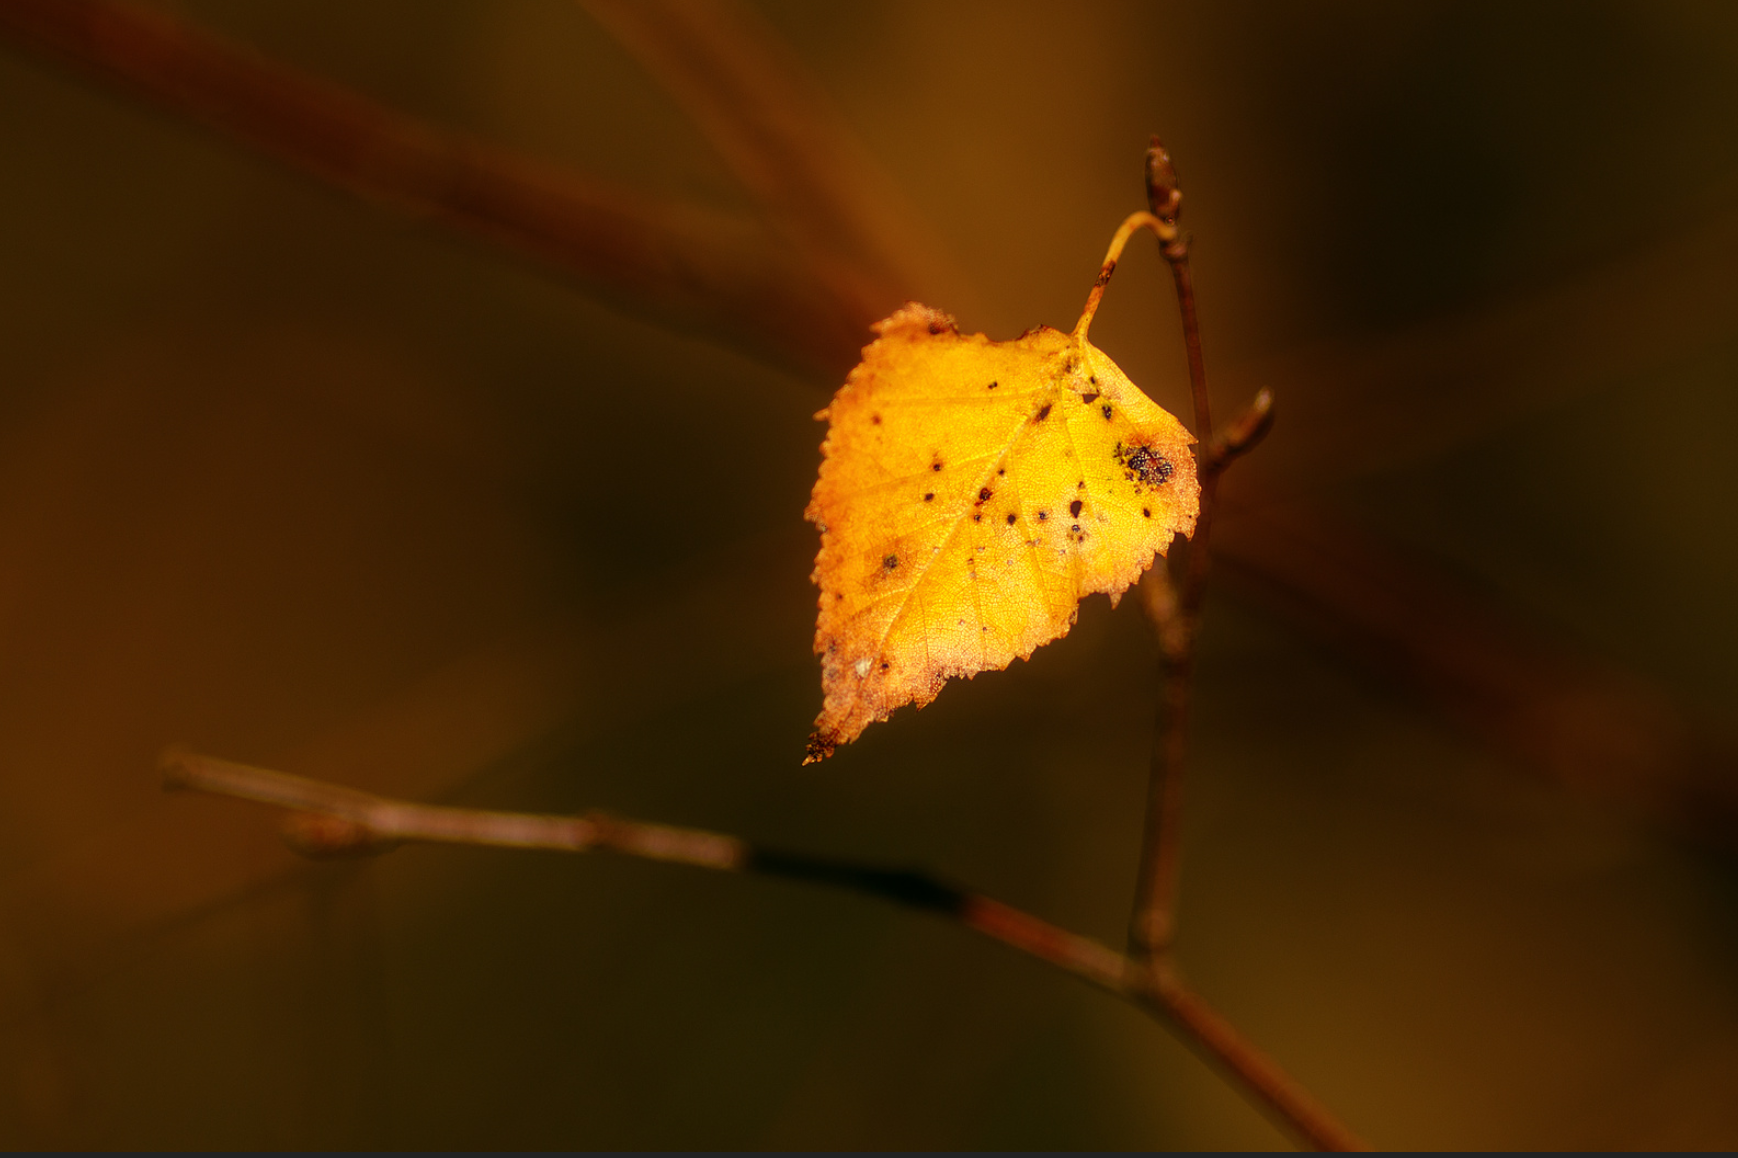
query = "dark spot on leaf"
x=1001 y=470
x=1074 y=509
x=1081 y=485
x=875 y=418
x=984 y=494
x=935 y=466
x=928 y=497
x=993 y=385
x=1044 y=412
x=977 y=516
x=1075 y=528
x=1089 y=399
x=1042 y=515
x=890 y=562
x=885 y=665
x=1146 y=513
x=938 y=327
x=1010 y=518
x=1145 y=465
x=1105 y=410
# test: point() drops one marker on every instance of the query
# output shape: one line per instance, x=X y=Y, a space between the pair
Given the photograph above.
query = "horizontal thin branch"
x=664 y=257
x=327 y=820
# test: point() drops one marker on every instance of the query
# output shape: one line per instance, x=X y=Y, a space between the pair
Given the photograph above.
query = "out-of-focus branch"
x=778 y=129
x=1583 y=722
x=1359 y=404
x=651 y=254
x=326 y=820
x=1536 y=698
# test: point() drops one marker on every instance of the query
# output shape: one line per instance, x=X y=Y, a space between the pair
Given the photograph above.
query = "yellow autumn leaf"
x=971 y=493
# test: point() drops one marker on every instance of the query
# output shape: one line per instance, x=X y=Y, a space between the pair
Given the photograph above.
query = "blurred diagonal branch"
x=1358 y=405
x=1582 y=721
x=786 y=141
x=328 y=820
x=652 y=254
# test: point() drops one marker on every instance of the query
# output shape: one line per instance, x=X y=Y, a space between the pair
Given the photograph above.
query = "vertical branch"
x=1172 y=596
x=1173 y=600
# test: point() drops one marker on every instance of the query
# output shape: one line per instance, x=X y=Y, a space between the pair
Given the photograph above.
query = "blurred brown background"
x=312 y=482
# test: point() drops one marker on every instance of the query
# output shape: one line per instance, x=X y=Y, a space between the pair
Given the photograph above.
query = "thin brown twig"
x=327 y=820
x=1172 y=597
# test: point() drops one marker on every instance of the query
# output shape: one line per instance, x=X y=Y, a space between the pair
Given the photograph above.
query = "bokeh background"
x=315 y=482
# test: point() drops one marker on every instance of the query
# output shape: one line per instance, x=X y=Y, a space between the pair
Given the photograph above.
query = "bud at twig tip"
x=1248 y=428
x=1164 y=197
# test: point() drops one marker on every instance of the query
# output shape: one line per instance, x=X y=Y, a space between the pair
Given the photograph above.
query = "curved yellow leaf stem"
x=1165 y=231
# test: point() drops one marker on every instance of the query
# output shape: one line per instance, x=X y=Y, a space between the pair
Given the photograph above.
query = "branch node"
x=323 y=836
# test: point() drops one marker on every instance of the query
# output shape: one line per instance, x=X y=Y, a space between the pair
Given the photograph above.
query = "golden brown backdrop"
x=314 y=482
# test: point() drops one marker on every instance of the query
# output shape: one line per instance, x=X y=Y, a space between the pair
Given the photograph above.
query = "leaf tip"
x=820 y=747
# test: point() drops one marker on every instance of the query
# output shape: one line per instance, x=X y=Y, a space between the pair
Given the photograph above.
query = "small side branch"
x=326 y=820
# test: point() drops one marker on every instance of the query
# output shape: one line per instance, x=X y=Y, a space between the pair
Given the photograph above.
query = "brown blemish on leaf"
x=1145 y=465
x=882 y=647
x=1074 y=508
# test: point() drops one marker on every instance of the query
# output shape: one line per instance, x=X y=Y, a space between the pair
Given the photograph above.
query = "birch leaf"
x=971 y=493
